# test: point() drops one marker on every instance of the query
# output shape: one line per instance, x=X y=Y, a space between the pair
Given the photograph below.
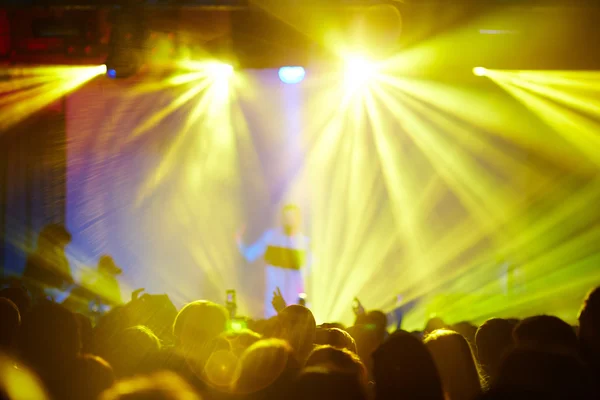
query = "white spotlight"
x=480 y=71
x=291 y=75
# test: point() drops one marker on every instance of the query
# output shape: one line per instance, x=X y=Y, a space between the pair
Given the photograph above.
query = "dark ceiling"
x=557 y=35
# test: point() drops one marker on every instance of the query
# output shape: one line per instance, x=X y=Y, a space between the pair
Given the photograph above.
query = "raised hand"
x=357 y=307
x=136 y=293
x=278 y=301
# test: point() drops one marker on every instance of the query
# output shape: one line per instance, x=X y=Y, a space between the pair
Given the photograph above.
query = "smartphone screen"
x=237 y=325
x=357 y=307
x=230 y=297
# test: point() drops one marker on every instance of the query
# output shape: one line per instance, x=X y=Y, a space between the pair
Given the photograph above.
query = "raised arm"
x=252 y=252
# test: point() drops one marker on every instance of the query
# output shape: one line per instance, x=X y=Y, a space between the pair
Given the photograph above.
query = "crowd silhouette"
x=146 y=349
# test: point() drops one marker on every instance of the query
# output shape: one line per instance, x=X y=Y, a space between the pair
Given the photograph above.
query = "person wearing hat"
x=47 y=266
x=99 y=288
x=107 y=285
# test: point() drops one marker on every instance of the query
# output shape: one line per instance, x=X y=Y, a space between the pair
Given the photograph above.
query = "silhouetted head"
x=54 y=235
x=404 y=369
x=467 y=329
x=340 y=360
x=433 y=324
x=132 y=351
x=160 y=386
x=493 y=340
x=158 y=313
x=378 y=321
x=49 y=343
x=198 y=328
x=367 y=339
x=266 y=370
x=49 y=337
x=10 y=322
x=589 y=328
x=329 y=325
x=291 y=219
x=335 y=337
x=546 y=333
x=319 y=383
x=109 y=326
x=543 y=375
x=19 y=297
x=296 y=325
x=217 y=366
x=455 y=363
x=89 y=377
x=241 y=340
x=107 y=265
x=199 y=322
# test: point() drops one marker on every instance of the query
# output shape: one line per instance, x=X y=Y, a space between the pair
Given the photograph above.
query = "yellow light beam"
x=48 y=93
x=470 y=182
x=162 y=114
x=588 y=105
x=577 y=130
x=474 y=141
x=51 y=71
x=23 y=83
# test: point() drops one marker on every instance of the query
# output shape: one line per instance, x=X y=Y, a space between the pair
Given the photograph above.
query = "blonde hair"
x=456 y=364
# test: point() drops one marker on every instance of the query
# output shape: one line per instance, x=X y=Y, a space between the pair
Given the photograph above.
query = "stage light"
x=112 y=73
x=210 y=69
x=220 y=70
x=103 y=69
x=359 y=71
x=291 y=75
x=480 y=71
x=221 y=76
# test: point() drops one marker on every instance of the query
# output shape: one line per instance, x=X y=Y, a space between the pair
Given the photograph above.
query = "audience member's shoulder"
x=19 y=382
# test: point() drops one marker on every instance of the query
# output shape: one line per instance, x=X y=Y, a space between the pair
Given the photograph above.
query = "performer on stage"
x=99 y=289
x=107 y=284
x=47 y=267
x=287 y=256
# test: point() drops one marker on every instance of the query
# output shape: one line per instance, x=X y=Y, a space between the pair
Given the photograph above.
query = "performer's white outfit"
x=289 y=280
